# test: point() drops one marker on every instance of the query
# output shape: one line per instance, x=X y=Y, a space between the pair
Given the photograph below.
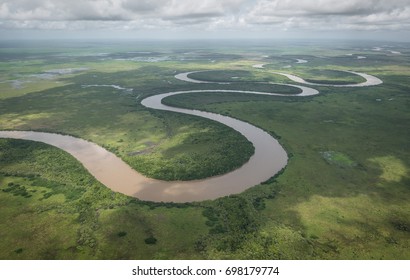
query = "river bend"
x=269 y=157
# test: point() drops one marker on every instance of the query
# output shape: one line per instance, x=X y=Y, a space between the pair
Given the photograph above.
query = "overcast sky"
x=350 y=19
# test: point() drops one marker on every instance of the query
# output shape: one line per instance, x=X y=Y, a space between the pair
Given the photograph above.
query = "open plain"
x=340 y=189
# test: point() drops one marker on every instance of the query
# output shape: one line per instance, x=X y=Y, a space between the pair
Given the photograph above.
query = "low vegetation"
x=343 y=195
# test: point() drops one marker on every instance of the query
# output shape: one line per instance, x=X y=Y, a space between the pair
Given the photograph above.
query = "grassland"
x=343 y=195
x=149 y=141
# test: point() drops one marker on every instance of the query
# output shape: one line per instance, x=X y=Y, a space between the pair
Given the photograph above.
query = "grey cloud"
x=326 y=7
x=143 y=6
x=330 y=14
x=21 y=5
x=201 y=16
x=191 y=21
x=110 y=9
x=240 y=15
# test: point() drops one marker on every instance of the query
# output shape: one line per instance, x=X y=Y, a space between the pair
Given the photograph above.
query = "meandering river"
x=269 y=157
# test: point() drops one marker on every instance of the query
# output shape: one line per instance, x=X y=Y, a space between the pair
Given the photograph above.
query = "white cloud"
x=332 y=14
x=239 y=15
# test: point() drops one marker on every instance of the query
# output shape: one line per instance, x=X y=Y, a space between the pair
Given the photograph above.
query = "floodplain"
x=343 y=194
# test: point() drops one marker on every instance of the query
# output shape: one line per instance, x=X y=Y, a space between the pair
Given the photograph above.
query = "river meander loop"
x=269 y=157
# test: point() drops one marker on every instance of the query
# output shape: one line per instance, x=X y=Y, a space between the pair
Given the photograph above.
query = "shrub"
x=150 y=240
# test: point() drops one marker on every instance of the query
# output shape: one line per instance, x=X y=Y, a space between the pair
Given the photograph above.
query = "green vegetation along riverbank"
x=343 y=195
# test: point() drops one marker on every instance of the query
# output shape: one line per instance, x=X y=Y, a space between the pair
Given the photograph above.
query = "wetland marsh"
x=343 y=194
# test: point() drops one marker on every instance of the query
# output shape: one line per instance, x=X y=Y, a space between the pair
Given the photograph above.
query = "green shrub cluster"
x=17 y=189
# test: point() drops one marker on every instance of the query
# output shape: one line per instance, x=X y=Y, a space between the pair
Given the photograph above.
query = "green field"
x=343 y=195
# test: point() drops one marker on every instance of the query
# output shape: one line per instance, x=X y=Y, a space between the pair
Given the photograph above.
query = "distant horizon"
x=62 y=35
x=302 y=40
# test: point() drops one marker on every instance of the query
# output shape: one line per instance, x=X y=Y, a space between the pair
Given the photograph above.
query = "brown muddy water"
x=269 y=157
